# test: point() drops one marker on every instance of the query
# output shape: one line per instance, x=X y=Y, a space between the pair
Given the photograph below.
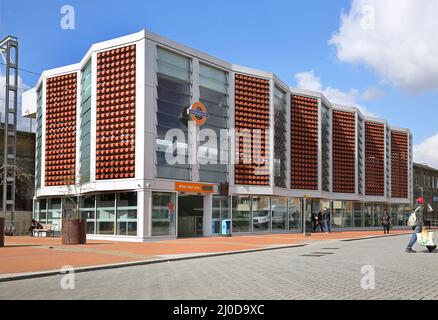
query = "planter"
x=2 y=232
x=74 y=231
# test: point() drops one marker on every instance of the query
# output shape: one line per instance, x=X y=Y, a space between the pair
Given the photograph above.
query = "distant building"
x=426 y=186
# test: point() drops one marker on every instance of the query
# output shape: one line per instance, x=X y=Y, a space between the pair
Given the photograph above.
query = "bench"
x=47 y=228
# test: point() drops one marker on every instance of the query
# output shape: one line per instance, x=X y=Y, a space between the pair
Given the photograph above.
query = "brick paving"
x=35 y=254
x=276 y=274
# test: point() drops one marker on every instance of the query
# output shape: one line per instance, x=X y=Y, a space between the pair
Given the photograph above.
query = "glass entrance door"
x=190 y=215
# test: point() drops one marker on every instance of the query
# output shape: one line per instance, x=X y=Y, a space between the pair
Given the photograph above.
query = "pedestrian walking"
x=416 y=223
x=386 y=222
x=314 y=221
x=320 y=221
x=326 y=217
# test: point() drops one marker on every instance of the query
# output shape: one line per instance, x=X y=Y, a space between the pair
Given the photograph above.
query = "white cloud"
x=427 y=151
x=396 y=38
x=309 y=81
x=372 y=93
x=23 y=124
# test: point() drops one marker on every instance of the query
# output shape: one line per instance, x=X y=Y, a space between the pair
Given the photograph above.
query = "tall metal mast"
x=9 y=53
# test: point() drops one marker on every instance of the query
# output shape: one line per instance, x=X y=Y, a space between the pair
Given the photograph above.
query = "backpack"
x=412 y=221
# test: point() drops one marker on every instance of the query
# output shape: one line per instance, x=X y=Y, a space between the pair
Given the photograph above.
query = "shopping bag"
x=425 y=238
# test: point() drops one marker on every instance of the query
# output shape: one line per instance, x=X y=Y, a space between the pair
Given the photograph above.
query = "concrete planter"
x=74 y=231
x=2 y=232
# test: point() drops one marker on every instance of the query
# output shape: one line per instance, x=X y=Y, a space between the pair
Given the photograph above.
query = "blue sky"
x=285 y=37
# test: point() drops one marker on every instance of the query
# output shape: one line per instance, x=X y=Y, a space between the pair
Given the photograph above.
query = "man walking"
x=326 y=218
x=418 y=226
x=386 y=222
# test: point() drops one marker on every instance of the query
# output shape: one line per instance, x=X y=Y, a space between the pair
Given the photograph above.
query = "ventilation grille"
x=304 y=143
x=374 y=159
x=399 y=164
x=344 y=152
x=252 y=113
x=115 y=110
x=61 y=130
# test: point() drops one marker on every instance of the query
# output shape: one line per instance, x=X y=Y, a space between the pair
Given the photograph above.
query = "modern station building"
x=105 y=131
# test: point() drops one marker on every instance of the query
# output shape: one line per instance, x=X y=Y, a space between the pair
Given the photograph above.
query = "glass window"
x=85 y=123
x=337 y=212
x=294 y=209
x=378 y=212
x=221 y=211
x=279 y=213
x=39 y=134
x=347 y=216
x=279 y=137
x=127 y=214
x=213 y=95
x=105 y=213
x=358 y=215
x=54 y=213
x=261 y=213
x=241 y=214
x=87 y=208
x=173 y=99
x=368 y=215
x=163 y=214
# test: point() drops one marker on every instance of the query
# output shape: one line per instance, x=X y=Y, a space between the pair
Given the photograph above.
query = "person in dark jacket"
x=386 y=222
x=320 y=221
x=326 y=217
x=35 y=225
x=314 y=221
x=419 y=222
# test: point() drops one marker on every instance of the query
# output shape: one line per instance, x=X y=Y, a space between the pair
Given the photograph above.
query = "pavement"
x=24 y=257
x=321 y=270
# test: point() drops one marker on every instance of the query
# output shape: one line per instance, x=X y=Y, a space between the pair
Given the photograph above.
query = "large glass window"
x=261 y=213
x=279 y=137
x=241 y=214
x=87 y=208
x=378 y=212
x=39 y=134
x=174 y=97
x=105 y=213
x=347 y=215
x=54 y=213
x=85 y=123
x=337 y=212
x=214 y=95
x=163 y=214
x=127 y=214
x=294 y=209
x=358 y=215
x=279 y=213
x=368 y=215
x=221 y=211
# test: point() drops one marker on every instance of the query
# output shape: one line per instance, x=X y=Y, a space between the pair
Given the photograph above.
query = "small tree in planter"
x=73 y=227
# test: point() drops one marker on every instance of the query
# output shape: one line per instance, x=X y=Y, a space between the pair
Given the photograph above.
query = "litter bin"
x=226 y=227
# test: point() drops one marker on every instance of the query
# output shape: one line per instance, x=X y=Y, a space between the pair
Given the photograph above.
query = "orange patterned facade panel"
x=399 y=164
x=374 y=159
x=60 y=158
x=252 y=121
x=344 y=152
x=115 y=113
x=304 y=143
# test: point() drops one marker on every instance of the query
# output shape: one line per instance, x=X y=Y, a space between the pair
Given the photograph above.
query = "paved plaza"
x=328 y=269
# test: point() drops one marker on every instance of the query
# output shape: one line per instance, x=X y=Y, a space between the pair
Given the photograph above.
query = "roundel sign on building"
x=198 y=113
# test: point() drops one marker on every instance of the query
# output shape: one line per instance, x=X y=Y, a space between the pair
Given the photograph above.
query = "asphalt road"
x=329 y=270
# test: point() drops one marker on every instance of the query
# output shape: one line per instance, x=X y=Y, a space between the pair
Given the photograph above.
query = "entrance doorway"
x=190 y=215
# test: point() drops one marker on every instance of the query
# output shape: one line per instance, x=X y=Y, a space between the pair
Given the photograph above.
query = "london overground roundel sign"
x=198 y=113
